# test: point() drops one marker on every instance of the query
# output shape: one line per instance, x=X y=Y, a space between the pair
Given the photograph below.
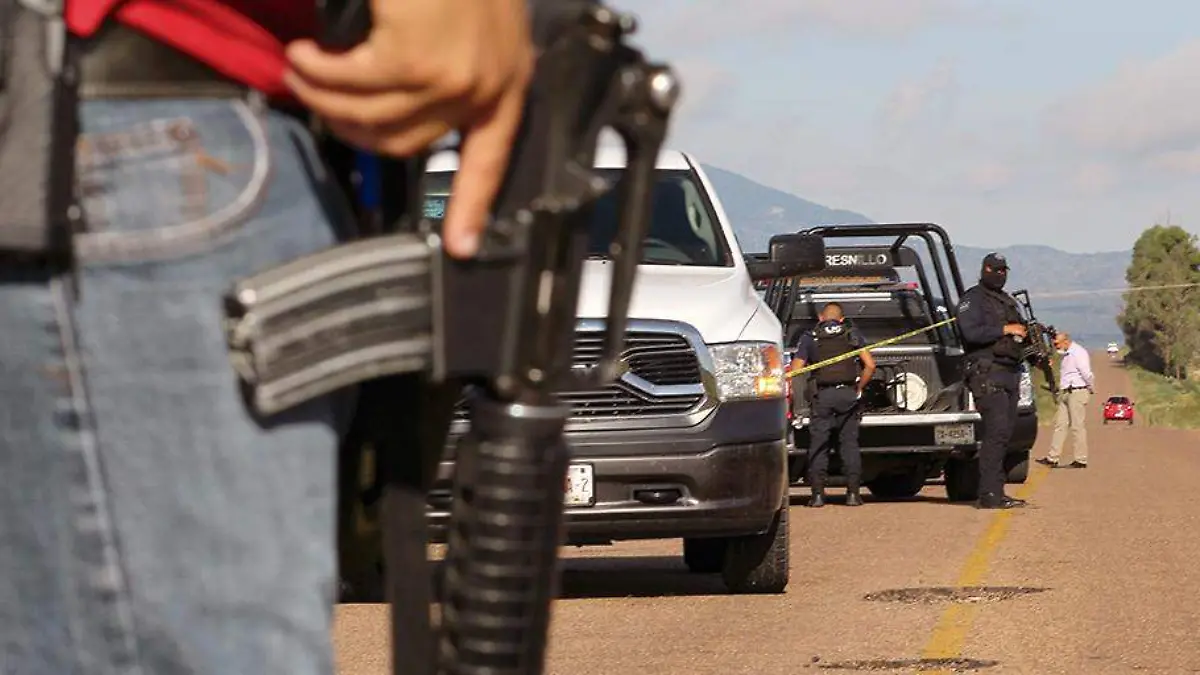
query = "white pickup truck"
x=689 y=442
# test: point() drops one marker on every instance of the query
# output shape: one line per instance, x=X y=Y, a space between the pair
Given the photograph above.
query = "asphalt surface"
x=1098 y=576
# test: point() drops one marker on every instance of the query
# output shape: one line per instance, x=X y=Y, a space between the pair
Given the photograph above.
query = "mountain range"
x=1054 y=278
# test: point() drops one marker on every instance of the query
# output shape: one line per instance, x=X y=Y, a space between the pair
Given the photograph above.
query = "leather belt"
x=119 y=62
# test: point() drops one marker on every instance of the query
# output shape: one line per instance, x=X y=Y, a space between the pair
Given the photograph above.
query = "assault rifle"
x=1038 y=347
x=393 y=313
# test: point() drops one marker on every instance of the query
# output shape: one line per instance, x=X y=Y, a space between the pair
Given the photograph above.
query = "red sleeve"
x=242 y=40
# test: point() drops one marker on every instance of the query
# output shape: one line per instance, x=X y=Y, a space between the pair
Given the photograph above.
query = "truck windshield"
x=683 y=225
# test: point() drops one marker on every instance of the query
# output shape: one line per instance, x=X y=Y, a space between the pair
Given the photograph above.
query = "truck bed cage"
x=933 y=235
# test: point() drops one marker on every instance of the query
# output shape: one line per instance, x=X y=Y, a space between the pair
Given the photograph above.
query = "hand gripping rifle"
x=394 y=308
x=1038 y=347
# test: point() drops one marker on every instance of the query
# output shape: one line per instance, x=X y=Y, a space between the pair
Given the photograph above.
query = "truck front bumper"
x=923 y=433
x=726 y=476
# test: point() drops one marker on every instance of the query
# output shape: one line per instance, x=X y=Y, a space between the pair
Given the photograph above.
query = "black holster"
x=976 y=373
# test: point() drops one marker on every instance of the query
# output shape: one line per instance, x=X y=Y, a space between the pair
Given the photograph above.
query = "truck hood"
x=717 y=301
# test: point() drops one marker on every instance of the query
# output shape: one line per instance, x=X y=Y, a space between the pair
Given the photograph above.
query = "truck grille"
x=658 y=358
x=662 y=359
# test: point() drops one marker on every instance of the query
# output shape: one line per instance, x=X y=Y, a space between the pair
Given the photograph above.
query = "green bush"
x=1046 y=405
x=1165 y=402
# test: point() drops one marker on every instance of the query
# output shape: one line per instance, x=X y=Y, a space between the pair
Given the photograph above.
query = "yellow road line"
x=955 y=623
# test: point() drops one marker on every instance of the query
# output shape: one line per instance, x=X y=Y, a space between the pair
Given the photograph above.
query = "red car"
x=1118 y=409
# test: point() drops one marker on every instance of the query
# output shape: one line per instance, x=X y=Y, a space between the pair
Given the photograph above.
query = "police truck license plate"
x=581 y=488
x=954 y=434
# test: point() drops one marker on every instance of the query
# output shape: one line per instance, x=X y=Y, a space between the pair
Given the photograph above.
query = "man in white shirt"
x=1075 y=389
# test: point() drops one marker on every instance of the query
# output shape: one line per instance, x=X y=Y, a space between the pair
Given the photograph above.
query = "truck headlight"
x=748 y=370
x=1025 y=399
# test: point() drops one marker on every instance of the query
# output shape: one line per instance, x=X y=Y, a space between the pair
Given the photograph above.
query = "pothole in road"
x=954 y=665
x=960 y=594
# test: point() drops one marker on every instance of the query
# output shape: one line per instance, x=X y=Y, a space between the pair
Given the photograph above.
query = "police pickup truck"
x=919 y=421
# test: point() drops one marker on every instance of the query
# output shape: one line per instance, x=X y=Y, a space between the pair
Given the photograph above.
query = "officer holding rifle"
x=150 y=524
x=993 y=329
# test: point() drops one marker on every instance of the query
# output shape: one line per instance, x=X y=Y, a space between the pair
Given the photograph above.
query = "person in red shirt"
x=150 y=524
x=427 y=68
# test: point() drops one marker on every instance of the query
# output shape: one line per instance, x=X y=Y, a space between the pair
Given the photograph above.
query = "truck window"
x=683 y=225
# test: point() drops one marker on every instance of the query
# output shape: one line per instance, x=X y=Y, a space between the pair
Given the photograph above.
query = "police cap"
x=995 y=261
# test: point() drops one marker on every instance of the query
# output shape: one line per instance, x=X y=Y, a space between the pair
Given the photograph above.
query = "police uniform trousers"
x=835 y=410
x=996 y=394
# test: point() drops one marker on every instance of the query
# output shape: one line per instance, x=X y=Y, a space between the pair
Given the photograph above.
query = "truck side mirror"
x=788 y=255
x=797 y=253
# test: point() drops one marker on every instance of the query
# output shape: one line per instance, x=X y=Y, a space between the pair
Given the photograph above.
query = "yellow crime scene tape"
x=856 y=352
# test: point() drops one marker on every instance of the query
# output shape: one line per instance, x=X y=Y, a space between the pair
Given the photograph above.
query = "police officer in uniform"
x=993 y=330
x=835 y=403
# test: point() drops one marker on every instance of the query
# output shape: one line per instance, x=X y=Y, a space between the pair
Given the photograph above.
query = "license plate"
x=1120 y=414
x=581 y=488
x=954 y=434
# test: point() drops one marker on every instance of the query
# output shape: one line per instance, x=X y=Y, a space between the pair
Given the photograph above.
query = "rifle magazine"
x=332 y=319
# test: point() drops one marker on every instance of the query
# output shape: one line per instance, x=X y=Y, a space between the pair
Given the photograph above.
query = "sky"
x=1068 y=123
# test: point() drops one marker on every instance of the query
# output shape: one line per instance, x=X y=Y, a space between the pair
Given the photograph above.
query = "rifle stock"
x=395 y=306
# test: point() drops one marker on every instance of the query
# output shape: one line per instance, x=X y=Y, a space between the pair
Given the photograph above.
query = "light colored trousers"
x=1072 y=405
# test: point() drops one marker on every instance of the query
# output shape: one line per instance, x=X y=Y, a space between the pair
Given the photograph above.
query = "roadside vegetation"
x=1162 y=401
x=1162 y=327
x=1044 y=400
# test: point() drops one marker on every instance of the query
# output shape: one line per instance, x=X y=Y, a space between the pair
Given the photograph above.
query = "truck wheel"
x=962 y=480
x=1016 y=467
x=759 y=563
x=897 y=485
x=704 y=556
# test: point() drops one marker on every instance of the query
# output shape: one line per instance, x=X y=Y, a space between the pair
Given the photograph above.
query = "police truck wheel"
x=962 y=480
x=704 y=556
x=759 y=563
x=897 y=485
x=1016 y=467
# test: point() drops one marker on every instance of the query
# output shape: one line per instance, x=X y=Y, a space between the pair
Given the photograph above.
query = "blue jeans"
x=148 y=525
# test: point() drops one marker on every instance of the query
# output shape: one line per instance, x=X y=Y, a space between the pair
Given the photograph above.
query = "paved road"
x=1106 y=557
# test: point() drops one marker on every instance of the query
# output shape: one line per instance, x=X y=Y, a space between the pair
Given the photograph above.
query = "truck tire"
x=1016 y=467
x=759 y=563
x=704 y=556
x=897 y=485
x=962 y=480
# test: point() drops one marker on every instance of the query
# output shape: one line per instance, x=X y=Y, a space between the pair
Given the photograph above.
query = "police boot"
x=999 y=501
x=852 y=496
x=818 y=497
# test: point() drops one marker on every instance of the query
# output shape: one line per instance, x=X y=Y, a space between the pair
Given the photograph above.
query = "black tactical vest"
x=832 y=339
x=1006 y=350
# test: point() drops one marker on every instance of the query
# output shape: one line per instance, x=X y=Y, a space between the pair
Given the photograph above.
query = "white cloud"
x=1095 y=178
x=705 y=88
x=1146 y=110
x=697 y=24
x=922 y=99
x=1177 y=161
x=887 y=16
x=988 y=176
